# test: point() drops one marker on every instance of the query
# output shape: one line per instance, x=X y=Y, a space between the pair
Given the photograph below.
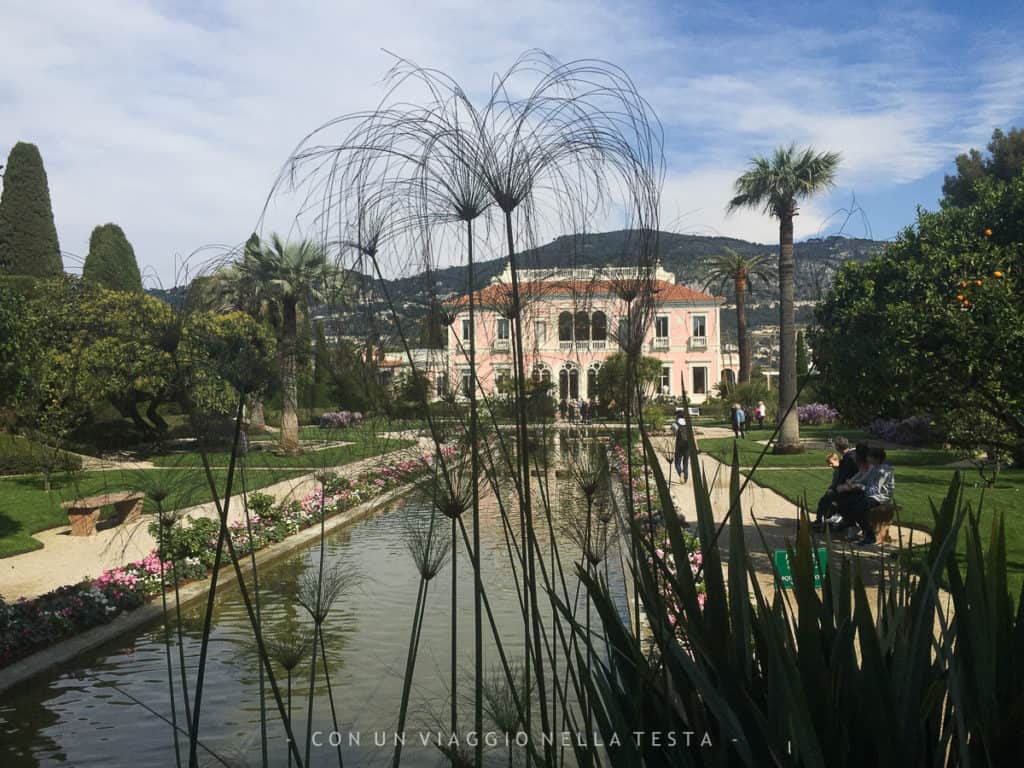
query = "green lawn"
x=26 y=508
x=750 y=449
x=915 y=487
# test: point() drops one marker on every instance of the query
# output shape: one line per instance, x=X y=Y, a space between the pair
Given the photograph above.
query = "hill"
x=817 y=261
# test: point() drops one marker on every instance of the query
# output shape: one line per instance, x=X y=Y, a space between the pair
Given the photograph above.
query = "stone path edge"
x=59 y=654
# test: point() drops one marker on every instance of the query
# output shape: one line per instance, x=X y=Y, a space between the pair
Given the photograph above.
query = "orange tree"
x=935 y=324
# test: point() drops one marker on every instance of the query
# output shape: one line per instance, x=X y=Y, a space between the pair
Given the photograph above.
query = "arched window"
x=541 y=374
x=592 y=379
x=599 y=326
x=569 y=382
x=565 y=326
x=582 y=326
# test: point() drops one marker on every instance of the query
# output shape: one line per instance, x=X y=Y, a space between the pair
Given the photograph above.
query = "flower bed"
x=663 y=559
x=28 y=625
x=340 y=419
x=817 y=413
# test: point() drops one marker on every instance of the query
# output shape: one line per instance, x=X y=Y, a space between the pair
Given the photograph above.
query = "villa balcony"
x=501 y=345
x=698 y=342
x=565 y=346
x=599 y=345
x=660 y=343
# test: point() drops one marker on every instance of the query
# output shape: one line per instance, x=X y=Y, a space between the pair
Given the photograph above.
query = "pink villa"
x=571 y=325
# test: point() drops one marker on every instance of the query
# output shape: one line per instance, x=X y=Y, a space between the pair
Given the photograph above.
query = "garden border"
x=58 y=654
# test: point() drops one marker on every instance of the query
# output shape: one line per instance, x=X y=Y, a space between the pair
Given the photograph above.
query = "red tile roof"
x=498 y=294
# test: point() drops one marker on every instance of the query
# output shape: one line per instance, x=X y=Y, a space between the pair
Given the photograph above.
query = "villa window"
x=466 y=384
x=700 y=380
x=665 y=381
x=565 y=326
x=581 y=326
x=466 y=329
x=441 y=383
x=700 y=326
x=661 y=327
x=599 y=326
x=503 y=329
x=540 y=332
x=502 y=378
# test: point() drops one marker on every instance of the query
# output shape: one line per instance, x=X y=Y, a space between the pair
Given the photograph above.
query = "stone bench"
x=83 y=514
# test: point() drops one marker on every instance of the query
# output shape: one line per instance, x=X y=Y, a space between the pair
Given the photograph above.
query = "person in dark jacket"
x=681 y=452
x=845 y=464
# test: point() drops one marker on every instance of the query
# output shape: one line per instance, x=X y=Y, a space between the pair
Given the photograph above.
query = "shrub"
x=340 y=419
x=817 y=413
x=914 y=430
x=21 y=457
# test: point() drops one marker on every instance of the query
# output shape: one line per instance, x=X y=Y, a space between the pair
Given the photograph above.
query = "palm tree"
x=287 y=277
x=775 y=185
x=741 y=271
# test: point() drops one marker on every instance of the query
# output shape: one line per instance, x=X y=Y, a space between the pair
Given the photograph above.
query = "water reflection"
x=83 y=717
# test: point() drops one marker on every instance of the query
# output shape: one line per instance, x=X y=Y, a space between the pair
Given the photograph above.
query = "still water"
x=83 y=716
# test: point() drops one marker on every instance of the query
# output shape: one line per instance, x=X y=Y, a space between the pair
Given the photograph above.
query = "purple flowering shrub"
x=915 y=430
x=340 y=419
x=817 y=413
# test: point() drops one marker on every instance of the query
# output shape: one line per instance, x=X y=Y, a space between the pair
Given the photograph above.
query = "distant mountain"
x=817 y=261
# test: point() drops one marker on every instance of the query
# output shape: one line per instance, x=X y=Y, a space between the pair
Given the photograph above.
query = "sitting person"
x=866 y=490
x=845 y=462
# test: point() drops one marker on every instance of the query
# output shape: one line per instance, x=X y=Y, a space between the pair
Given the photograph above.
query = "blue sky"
x=173 y=118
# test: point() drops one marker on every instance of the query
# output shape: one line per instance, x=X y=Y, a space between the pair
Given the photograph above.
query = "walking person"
x=741 y=420
x=759 y=413
x=681 y=452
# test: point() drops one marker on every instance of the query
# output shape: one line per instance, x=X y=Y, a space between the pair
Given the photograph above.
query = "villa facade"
x=573 y=319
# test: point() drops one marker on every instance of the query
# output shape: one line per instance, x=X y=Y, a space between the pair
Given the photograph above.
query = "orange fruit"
x=997 y=273
x=977 y=282
x=959 y=297
x=988 y=233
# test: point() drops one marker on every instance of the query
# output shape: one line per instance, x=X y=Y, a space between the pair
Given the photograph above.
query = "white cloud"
x=173 y=118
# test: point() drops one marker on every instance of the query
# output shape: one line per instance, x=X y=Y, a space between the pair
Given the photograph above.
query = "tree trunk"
x=789 y=433
x=154 y=415
x=289 y=380
x=741 y=328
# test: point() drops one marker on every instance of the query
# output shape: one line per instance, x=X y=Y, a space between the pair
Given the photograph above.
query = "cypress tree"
x=111 y=260
x=28 y=237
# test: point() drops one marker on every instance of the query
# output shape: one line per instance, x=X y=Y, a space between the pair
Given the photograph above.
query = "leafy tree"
x=1004 y=161
x=287 y=277
x=111 y=260
x=612 y=379
x=935 y=324
x=775 y=185
x=28 y=236
x=730 y=267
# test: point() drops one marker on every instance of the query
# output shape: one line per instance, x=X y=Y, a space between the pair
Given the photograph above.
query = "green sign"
x=785 y=568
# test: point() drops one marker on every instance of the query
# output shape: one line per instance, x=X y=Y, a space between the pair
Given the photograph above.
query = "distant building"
x=572 y=319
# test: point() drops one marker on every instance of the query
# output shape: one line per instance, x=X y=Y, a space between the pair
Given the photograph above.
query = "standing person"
x=584 y=411
x=562 y=408
x=593 y=408
x=733 y=422
x=760 y=412
x=681 y=453
x=739 y=421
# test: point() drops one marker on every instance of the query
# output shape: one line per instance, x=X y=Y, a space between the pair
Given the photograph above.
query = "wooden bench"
x=880 y=518
x=83 y=514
